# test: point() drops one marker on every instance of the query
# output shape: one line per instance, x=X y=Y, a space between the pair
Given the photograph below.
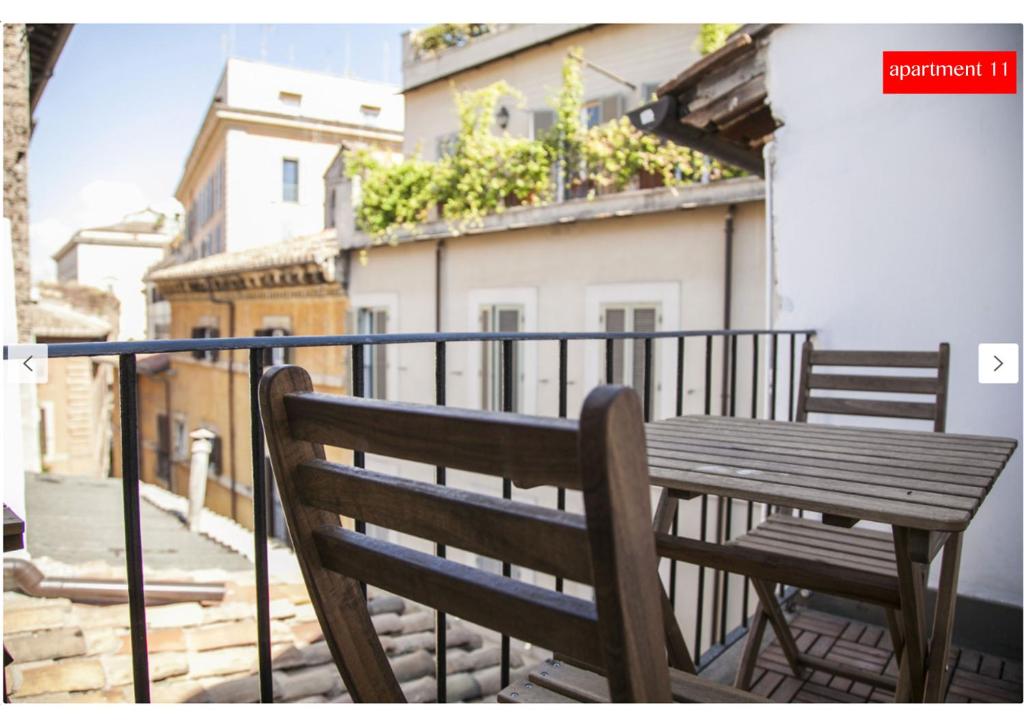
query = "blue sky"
x=119 y=115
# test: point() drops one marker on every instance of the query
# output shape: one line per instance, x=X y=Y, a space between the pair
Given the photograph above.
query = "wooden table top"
x=925 y=480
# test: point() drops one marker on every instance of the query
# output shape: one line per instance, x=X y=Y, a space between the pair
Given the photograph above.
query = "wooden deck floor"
x=976 y=677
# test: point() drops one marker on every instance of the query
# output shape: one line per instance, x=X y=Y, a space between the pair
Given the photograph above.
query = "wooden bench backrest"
x=935 y=385
x=610 y=548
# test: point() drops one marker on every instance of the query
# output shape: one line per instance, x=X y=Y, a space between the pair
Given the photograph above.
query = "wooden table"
x=927 y=486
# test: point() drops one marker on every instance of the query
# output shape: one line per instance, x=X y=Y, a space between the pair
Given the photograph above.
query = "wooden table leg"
x=678 y=653
x=912 y=577
x=942 y=626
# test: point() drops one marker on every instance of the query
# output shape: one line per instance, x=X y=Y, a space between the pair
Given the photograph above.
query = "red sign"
x=949 y=71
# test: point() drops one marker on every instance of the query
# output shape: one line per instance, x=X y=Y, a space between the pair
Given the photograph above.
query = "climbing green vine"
x=486 y=173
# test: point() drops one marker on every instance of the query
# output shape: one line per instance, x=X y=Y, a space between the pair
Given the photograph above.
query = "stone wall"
x=17 y=129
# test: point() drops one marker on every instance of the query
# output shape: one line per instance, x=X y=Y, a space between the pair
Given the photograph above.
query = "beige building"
x=77 y=393
x=254 y=175
x=137 y=241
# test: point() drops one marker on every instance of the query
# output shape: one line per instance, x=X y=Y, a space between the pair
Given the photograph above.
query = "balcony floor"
x=977 y=677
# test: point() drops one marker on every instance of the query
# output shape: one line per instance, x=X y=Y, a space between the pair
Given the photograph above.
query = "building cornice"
x=613 y=206
x=113 y=238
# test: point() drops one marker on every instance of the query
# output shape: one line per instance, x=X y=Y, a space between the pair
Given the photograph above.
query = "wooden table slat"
x=963 y=462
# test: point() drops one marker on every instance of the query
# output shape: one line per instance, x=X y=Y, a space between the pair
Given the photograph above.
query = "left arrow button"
x=26 y=363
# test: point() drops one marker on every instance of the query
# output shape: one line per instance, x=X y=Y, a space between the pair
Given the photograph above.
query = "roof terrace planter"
x=618 y=205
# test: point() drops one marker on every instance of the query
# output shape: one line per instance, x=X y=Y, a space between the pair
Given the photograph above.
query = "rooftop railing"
x=770 y=363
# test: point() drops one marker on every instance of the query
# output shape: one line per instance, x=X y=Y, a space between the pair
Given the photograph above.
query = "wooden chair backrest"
x=611 y=547
x=935 y=385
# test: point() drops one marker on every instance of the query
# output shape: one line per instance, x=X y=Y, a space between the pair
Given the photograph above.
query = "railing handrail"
x=156 y=346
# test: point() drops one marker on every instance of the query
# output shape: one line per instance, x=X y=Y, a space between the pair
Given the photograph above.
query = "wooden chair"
x=850 y=553
x=612 y=548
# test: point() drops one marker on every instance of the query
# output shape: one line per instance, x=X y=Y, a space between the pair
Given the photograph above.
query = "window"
x=369 y=112
x=205 y=333
x=599 y=110
x=446 y=144
x=628 y=354
x=275 y=355
x=499 y=318
x=163 y=447
x=216 y=457
x=647 y=92
x=374 y=320
x=290 y=180
x=292 y=100
x=542 y=122
x=180 y=438
x=333 y=198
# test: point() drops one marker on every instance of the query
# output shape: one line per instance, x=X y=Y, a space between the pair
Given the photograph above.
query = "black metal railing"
x=727 y=618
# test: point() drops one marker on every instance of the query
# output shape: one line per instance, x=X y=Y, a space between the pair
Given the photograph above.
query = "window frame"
x=284 y=183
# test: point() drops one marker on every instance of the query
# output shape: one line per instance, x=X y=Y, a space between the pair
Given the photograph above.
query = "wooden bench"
x=621 y=633
x=840 y=552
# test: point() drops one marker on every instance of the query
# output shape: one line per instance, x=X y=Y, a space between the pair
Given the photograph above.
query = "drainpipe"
x=727 y=304
x=438 y=281
x=720 y=533
x=231 y=395
x=22 y=575
x=769 y=233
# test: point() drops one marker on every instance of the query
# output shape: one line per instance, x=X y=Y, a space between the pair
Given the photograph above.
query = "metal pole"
x=133 y=525
x=260 y=512
x=440 y=619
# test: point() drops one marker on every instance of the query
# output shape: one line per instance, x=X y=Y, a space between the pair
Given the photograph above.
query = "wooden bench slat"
x=470 y=440
x=546 y=618
x=845 y=559
x=876 y=383
x=793 y=570
x=526 y=692
x=871 y=408
x=482 y=524
x=858 y=358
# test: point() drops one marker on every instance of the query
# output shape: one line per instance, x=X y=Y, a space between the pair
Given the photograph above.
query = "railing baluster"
x=609 y=361
x=358 y=390
x=507 y=350
x=259 y=507
x=440 y=619
x=792 y=358
x=725 y=574
x=732 y=376
x=680 y=390
x=774 y=372
x=707 y=374
x=697 y=650
x=753 y=382
x=133 y=524
x=563 y=411
x=746 y=579
x=648 y=382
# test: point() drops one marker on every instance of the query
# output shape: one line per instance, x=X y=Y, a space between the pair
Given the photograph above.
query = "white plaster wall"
x=258 y=86
x=897 y=224
x=256 y=215
x=120 y=269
